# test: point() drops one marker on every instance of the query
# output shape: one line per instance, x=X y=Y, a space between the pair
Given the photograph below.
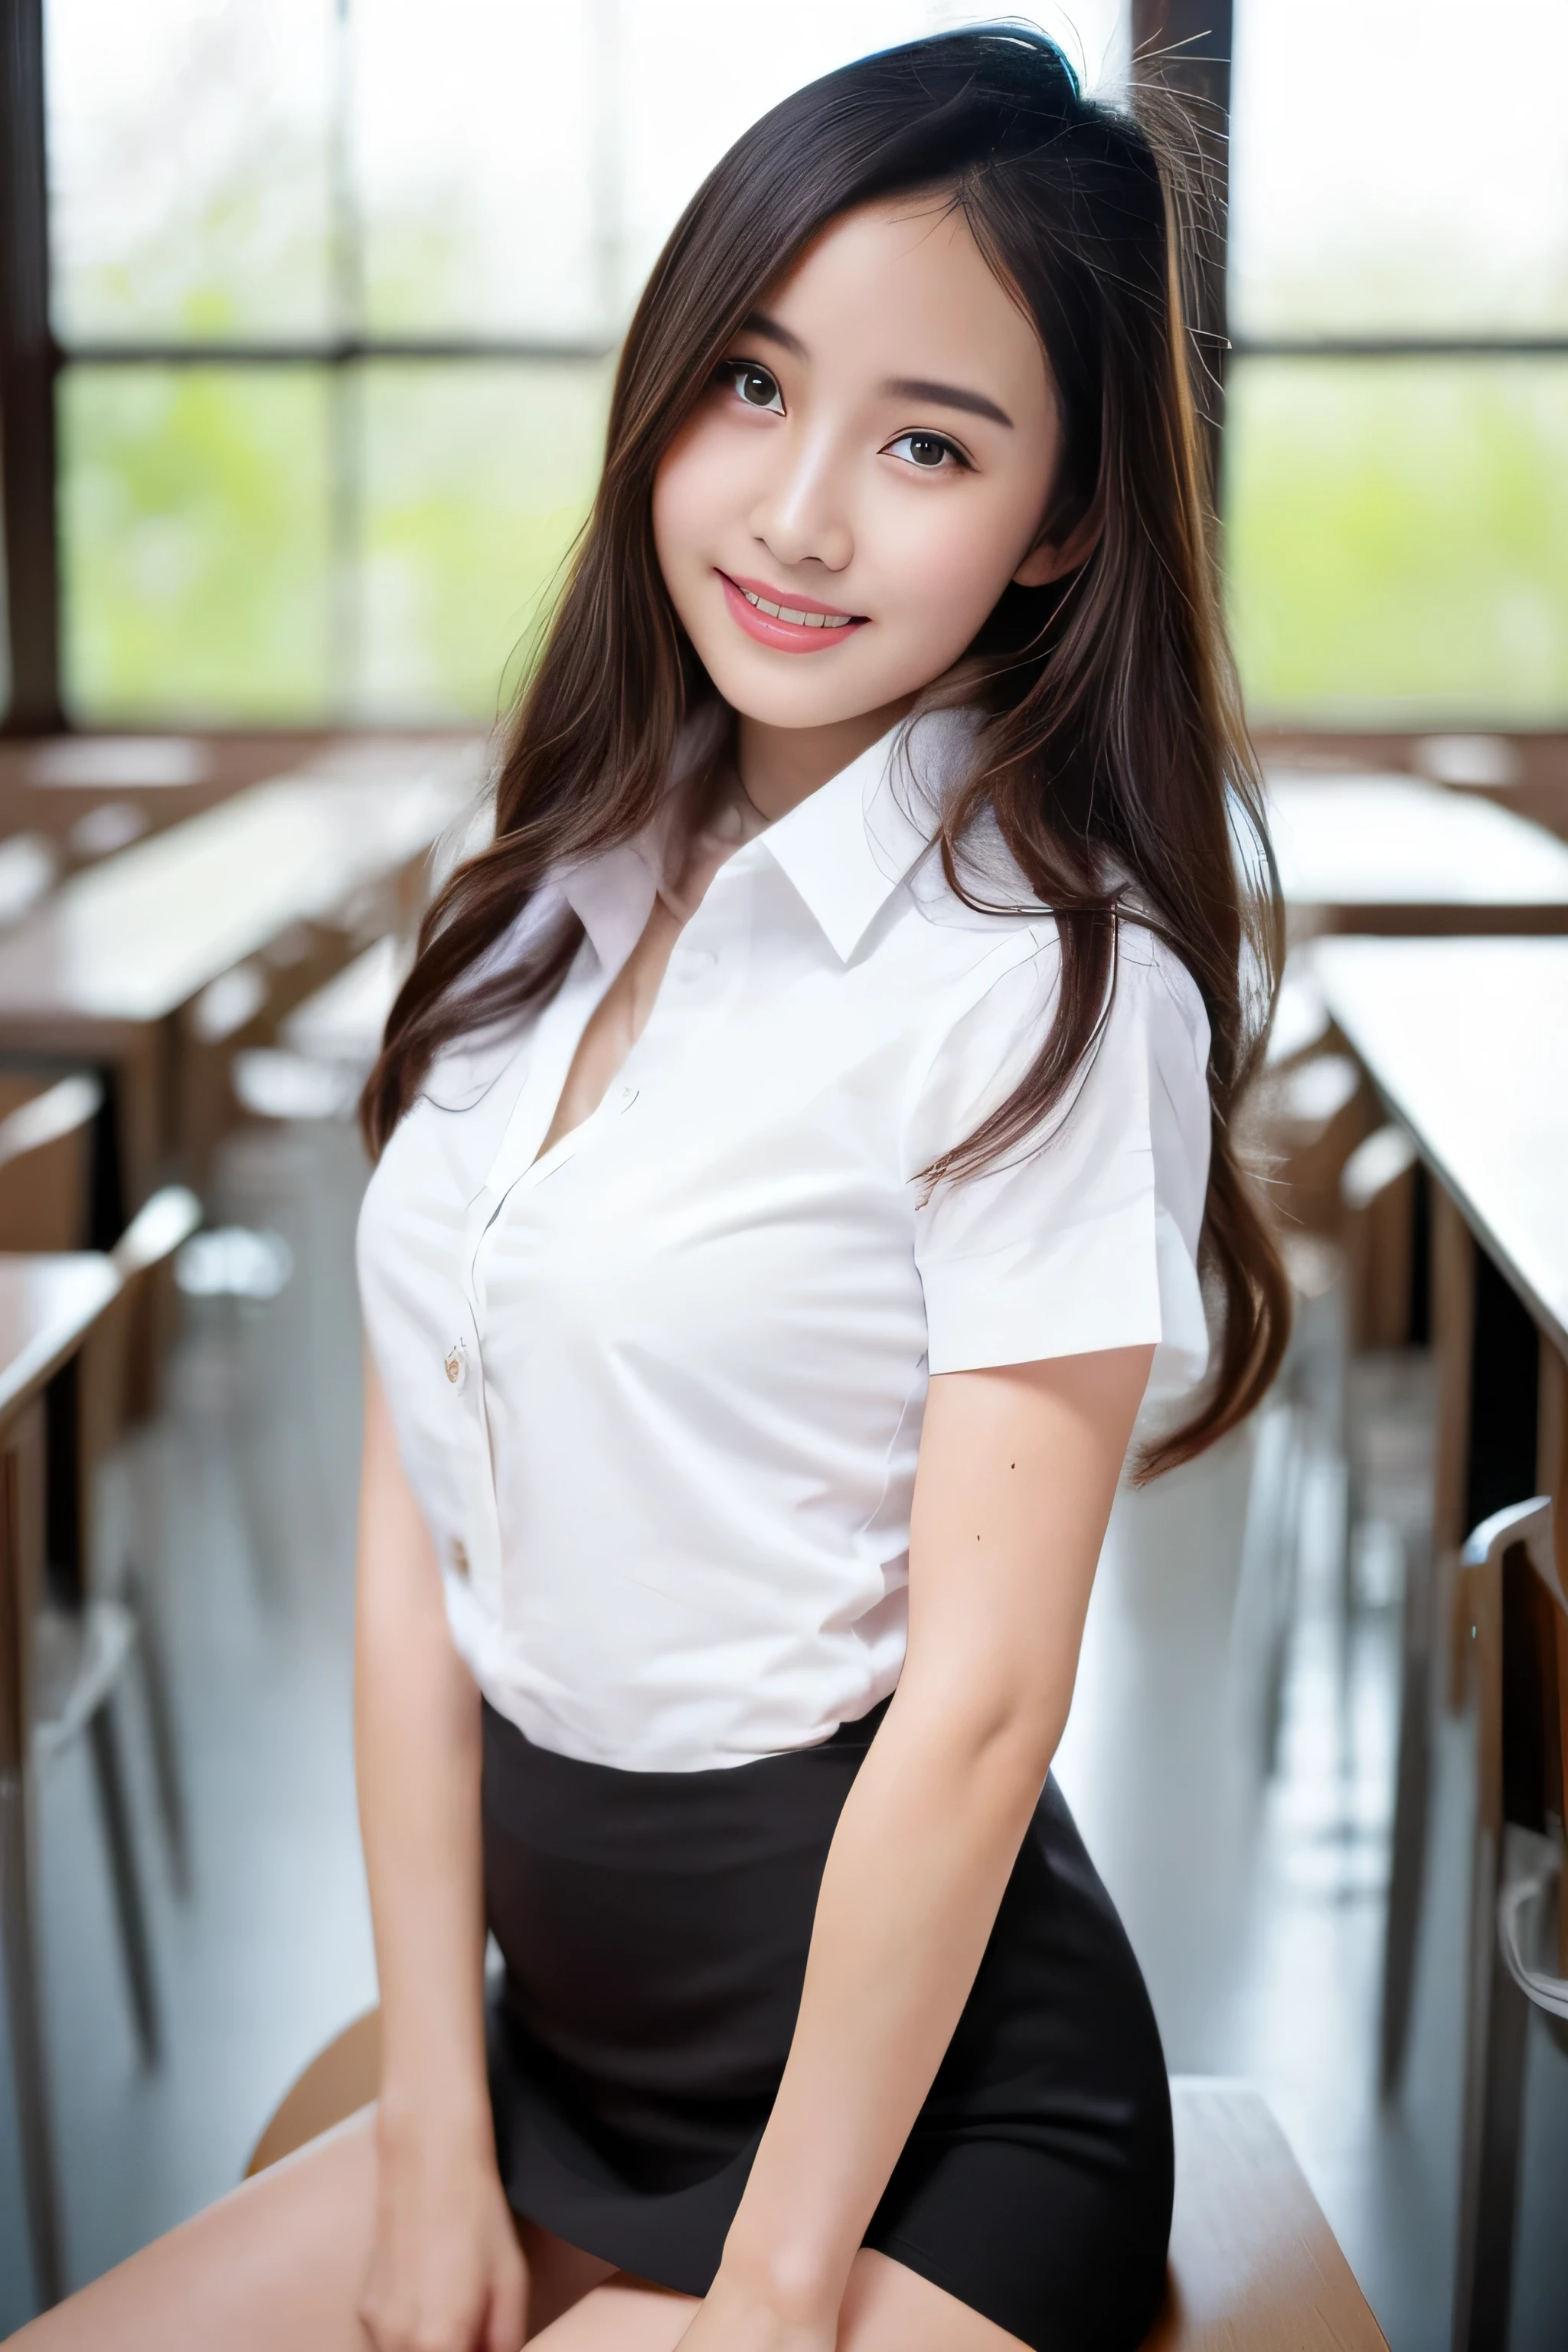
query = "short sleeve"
x=1089 y=1238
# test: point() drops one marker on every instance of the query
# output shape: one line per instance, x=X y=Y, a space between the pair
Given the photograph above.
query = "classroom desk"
x=47 y=1306
x=90 y=796
x=1467 y=1042
x=1387 y=854
x=298 y=871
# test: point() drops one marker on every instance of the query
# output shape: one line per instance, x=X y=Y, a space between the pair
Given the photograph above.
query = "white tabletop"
x=47 y=1303
x=138 y=937
x=1389 y=841
x=1467 y=1040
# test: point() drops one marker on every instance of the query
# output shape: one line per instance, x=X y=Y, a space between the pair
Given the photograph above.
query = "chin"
x=773 y=708
x=788 y=701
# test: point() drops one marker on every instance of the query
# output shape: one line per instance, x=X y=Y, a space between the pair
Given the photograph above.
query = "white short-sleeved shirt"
x=659 y=1390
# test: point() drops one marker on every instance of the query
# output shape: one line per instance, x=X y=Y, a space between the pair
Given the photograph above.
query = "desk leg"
x=1496 y=2019
x=1552 y=1478
x=1428 y=1573
x=21 y=1555
x=1412 y=1805
x=1453 y=1344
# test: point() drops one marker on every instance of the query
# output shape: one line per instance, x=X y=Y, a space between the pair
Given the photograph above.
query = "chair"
x=101 y=1613
x=117 y=1384
x=1303 y=1119
x=1514 y=1598
x=97 y=1614
x=45 y=1159
x=1253 y=2262
x=82 y=1641
x=1388 y=1440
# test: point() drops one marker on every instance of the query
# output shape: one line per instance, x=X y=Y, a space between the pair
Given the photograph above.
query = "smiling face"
x=866 y=472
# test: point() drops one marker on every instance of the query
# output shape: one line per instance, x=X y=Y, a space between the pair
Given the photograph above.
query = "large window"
x=337 y=286
x=1396 y=448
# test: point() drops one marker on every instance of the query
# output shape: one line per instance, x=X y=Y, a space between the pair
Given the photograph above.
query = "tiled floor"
x=1256 y=1906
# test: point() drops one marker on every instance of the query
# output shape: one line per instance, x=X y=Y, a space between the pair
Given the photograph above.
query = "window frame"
x=1182 y=44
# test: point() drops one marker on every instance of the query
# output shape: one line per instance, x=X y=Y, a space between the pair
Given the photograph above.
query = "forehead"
x=895 y=287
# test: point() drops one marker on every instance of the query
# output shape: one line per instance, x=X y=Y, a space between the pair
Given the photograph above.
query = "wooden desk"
x=48 y=1305
x=311 y=865
x=1466 y=1041
x=1387 y=854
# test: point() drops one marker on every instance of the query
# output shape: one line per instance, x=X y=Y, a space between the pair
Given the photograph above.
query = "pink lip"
x=783 y=636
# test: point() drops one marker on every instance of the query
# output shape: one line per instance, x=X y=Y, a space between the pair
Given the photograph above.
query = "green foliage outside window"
x=1397 y=539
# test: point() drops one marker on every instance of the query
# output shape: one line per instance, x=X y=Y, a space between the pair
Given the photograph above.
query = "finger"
x=507 y=2311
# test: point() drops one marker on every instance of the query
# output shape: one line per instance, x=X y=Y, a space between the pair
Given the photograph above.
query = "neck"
x=781 y=766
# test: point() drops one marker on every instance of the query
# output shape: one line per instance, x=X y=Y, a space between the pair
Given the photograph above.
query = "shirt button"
x=459 y=1558
x=456 y=1365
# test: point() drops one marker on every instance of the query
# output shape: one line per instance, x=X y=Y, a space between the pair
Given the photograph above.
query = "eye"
x=933 y=453
x=754 y=384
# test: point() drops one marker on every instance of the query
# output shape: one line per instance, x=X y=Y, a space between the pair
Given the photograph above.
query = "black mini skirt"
x=655 y=1928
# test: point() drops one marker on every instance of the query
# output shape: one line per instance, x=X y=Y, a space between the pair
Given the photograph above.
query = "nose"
x=803 y=515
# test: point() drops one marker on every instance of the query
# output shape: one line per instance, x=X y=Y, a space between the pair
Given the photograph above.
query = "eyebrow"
x=946 y=395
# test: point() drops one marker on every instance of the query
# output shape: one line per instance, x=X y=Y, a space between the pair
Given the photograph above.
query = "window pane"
x=481 y=156
x=476 y=478
x=1397 y=538
x=696 y=73
x=1397 y=169
x=190 y=167
x=520 y=173
x=194 y=522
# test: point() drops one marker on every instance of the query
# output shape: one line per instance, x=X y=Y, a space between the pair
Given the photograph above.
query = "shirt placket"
x=701 y=982
x=514 y=1162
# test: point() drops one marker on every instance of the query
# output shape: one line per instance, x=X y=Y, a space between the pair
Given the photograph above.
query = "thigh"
x=885 y=2308
x=275 y=2266
x=559 y=2274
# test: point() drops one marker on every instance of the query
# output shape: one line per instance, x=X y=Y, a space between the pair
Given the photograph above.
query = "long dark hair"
x=1115 y=757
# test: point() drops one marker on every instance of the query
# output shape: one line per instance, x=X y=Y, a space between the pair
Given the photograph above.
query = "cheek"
x=695 y=488
x=951 y=558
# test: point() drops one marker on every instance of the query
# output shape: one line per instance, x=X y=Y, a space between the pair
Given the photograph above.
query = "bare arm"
x=446 y=2276
x=1017 y=1472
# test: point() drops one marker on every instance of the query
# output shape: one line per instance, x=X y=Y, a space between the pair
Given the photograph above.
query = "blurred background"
x=308 y=320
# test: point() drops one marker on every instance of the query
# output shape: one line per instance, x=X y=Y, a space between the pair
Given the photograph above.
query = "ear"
x=1049 y=559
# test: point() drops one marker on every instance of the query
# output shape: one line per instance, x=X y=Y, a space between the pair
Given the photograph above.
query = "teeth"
x=801 y=620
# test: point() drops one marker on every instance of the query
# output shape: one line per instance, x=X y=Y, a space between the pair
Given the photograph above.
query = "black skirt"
x=655 y=1928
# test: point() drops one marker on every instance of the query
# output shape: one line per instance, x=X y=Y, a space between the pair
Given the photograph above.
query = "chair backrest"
x=157 y=1231
x=46 y=1159
x=1304 y=1119
x=1516 y=1604
x=117 y=1381
x=1377 y=1197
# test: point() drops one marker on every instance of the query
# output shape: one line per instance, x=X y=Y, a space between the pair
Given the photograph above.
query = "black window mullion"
x=27 y=381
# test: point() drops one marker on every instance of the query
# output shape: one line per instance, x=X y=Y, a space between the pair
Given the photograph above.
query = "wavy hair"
x=1113 y=757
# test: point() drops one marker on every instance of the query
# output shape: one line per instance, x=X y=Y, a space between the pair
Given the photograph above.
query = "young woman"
x=802 y=1148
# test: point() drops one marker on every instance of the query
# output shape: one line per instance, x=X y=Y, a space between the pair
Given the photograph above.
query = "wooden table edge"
x=42 y=1359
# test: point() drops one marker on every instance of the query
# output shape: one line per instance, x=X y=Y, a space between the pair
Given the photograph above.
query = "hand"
x=737 y=2316
x=446 y=2274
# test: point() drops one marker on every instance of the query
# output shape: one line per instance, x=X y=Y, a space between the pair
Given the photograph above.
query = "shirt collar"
x=612 y=893
x=851 y=844
x=846 y=848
